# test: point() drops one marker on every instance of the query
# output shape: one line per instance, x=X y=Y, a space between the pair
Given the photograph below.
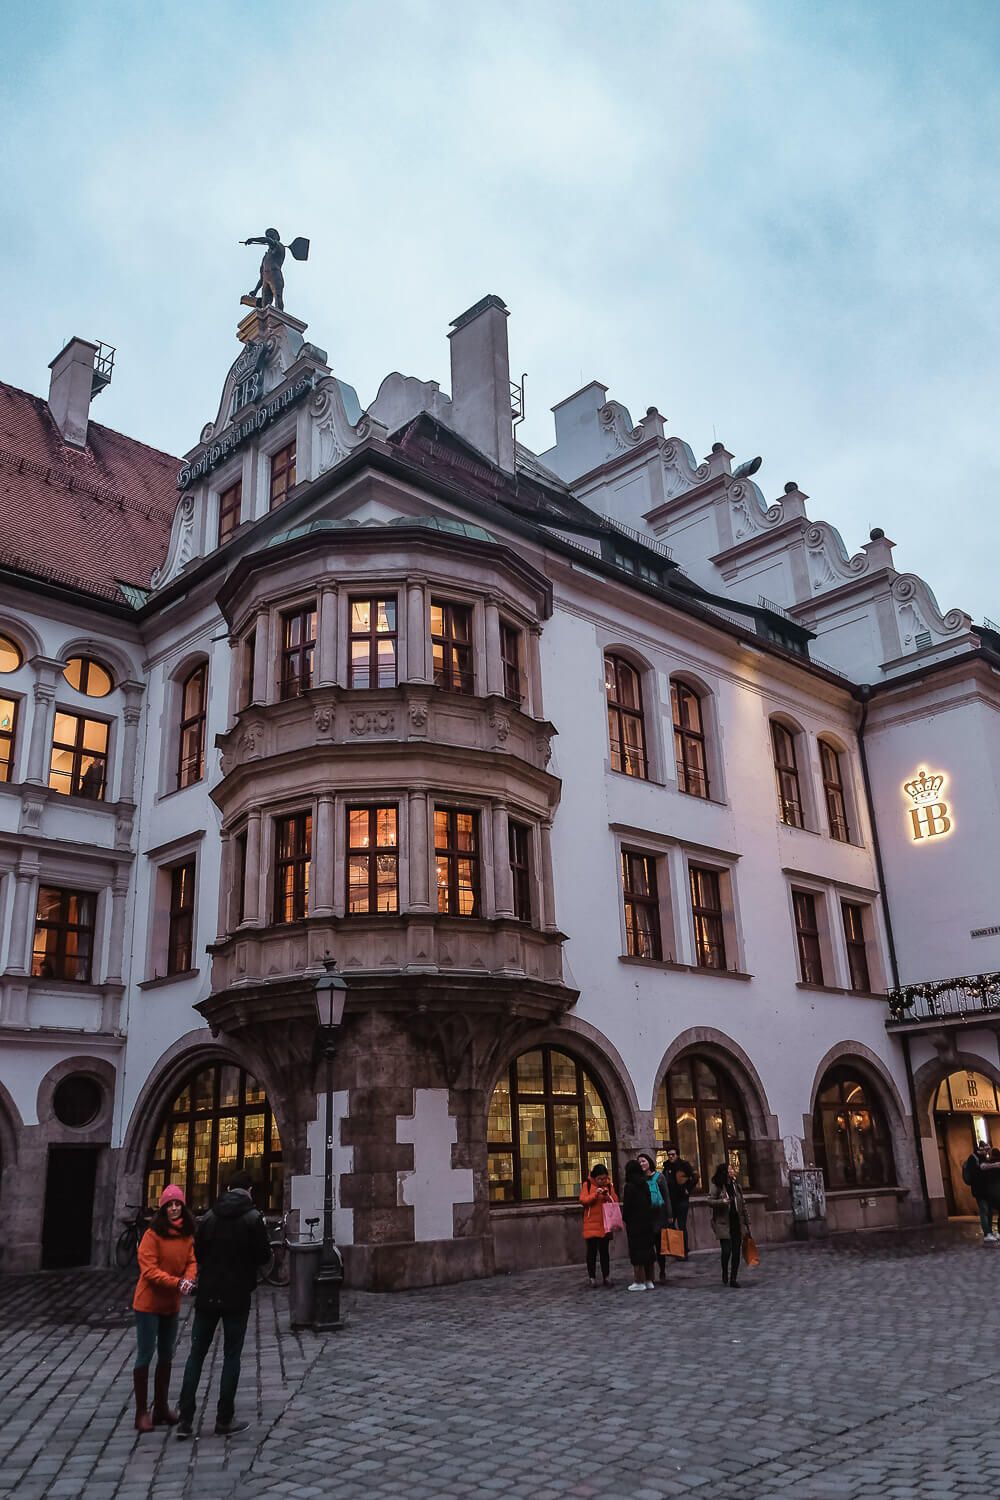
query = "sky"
x=775 y=220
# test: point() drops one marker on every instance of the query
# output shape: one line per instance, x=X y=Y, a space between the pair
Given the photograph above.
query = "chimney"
x=480 y=380
x=79 y=373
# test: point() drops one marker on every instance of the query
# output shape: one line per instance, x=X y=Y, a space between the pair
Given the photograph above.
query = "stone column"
x=548 y=883
x=251 y=896
x=41 y=730
x=261 y=658
x=417 y=631
x=226 y=876
x=21 y=915
x=494 y=667
x=503 y=876
x=327 y=669
x=322 y=890
x=418 y=862
x=533 y=672
x=131 y=714
x=116 y=934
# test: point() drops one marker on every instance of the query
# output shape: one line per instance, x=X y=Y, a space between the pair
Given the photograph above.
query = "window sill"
x=868 y=1192
x=162 y=979
x=669 y=963
x=823 y=989
x=718 y=973
x=64 y=986
x=694 y=797
x=636 y=780
x=177 y=790
x=794 y=828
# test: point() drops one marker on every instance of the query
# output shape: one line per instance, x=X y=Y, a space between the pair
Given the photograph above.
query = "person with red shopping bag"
x=601 y=1217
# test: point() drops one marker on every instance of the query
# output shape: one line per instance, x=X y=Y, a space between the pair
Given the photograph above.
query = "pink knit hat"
x=171 y=1194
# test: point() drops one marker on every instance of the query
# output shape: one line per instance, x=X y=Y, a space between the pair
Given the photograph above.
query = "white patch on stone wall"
x=434 y=1186
x=307 y=1189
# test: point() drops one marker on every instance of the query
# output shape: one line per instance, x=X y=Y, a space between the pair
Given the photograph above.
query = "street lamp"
x=331 y=995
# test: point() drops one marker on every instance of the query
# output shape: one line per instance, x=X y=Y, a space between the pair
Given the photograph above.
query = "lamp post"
x=331 y=994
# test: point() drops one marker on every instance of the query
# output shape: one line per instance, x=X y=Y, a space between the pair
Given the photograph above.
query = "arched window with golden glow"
x=547 y=1126
x=626 y=728
x=850 y=1137
x=218 y=1123
x=699 y=1110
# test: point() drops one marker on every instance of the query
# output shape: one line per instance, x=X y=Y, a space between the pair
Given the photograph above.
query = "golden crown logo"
x=924 y=788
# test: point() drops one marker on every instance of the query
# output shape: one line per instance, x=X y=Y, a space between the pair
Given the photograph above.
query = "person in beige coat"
x=730 y=1220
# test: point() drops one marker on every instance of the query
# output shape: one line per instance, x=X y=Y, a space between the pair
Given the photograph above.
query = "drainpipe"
x=865 y=693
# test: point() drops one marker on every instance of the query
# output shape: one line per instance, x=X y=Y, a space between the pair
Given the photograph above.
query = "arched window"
x=699 y=1110
x=625 y=725
x=191 y=740
x=219 y=1123
x=786 y=769
x=850 y=1136
x=547 y=1127
x=11 y=655
x=689 y=740
x=833 y=791
x=88 y=676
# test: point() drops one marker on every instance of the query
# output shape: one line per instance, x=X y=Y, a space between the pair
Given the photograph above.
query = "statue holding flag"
x=271 y=285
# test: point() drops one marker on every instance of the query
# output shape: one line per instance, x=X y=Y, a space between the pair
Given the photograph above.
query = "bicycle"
x=276 y=1273
x=127 y=1245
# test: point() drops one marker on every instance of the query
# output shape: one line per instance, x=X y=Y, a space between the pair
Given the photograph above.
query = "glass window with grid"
x=219 y=1123
x=510 y=658
x=373 y=643
x=519 y=845
x=807 y=937
x=689 y=741
x=63 y=945
x=230 y=502
x=191 y=741
x=851 y=1141
x=786 y=770
x=706 y=909
x=451 y=644
x=372 y=860
x=625 y=722
x=642 y=905
x=857 y=948
x=293 y=853
x=88 y=676
x=282 y=474
x=180 y=936
x=547 y=1128
x=456 y=860
x=298 y=650
x=698 y=1110
x=8 y=737
x=11 y=655
x=79 y=763
x=833 y=790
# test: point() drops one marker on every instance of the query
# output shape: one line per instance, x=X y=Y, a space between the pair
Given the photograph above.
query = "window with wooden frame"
x=807 y=937
x=625 y=721
x=90 y=677
x=519 y=846
x=857 y=947
x=282 y=478
x=699 y=1110
x=11 y=655
x=180 y=933
x=292 y=856
x=241 y=876
x=8 y=737
x=451 y=644
x=707 y=912
x=230 y=504
x=833 y=791
x=372 y=860
x=373 y=643
x=248 y=668
x=298 y=650
x=456 y=861
x=191 y=738
x=642 y=905
x=786 y=770
x=547 y=1128
x=79 y=765
x=689 y=741
x=510 y=659
x=851 y=1140
x=63 y=946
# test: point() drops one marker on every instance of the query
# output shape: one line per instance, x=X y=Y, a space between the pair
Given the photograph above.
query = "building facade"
x=631 y=809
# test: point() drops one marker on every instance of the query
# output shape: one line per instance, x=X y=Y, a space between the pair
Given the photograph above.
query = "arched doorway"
x=966 y=1109
x=218 y=1121
x=547 y=1126
x=699 y=1110
x=851 y=1137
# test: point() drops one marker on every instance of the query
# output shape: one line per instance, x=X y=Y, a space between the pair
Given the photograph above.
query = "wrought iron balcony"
x=954 y=1001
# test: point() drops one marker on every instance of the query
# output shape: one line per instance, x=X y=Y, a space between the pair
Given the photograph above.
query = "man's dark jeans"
x=203 y=1326
x=681 y=1207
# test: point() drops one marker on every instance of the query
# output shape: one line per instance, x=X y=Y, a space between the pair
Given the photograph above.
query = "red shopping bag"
x=613 y=1220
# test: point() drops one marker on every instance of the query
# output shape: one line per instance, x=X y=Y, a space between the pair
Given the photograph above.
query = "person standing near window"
x=975 y=1180
x=595 y=1192
x=167 y=1271
x=730 y=1220
x=681 y=1180
x=659 y=1197
x=637 y=1211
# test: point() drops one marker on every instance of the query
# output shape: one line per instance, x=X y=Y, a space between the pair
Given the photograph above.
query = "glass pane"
x=386 y=826
x=530 y=1073
x=10 y=656
x=705 y=1080
x=204 y=1089
x=360 y=677
x=598 y=1158
x=253 y=1142
x=49 y=903
x=563 y=1073
x=681 y=1086
x=838 y=1149
x=465 y=825
x=566 y=1140
x=229 y=1084
x=178 y=1163
x=441 y=864
x=361 y=615
x=686 y=1141
x=228 y=1139
x=387 y=663
x=534 y=1159
x=385 y=619
x=357 y=883
x=386 y=883
x=661 y=1117
x=437 y=619
x=276 y=1194
x=65 y=729
x=440 y=828
x=275 y=1137
x=155 y=1186
x=500 y=1169
x=715 y=1140
x=255 y=1090
x=594 y=1117
x=201 y=1186
x=466 y=887
x=498 y=1123
x=461 y=623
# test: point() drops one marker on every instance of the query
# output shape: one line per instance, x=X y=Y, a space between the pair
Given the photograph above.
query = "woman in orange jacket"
x=595 y=1192
x=167 y=1271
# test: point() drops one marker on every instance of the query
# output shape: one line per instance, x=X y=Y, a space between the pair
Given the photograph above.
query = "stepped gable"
x=85 y=518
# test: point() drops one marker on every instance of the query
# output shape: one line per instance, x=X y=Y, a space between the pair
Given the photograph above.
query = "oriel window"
x=833 y=790
x=519 y=845
x=642 y=907
x=689 y=740
x=373 y=643
x=786 y=769
x=282 y=473
x=298 y=649
x=230 y=503
x=64 y=935
x=293 y=853
x=510 y=657
x=180 y=938
x=372 y=860
x=807 y=937
x=79 y=756
x=625 y=723
x=456 y=860
x=191 y=744
x=706 y=909
x=8 y=737
x=857 y=948
x=451 y=640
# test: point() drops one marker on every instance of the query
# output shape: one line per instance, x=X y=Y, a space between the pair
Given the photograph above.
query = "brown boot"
x=161 y=1386
x=143 y=1421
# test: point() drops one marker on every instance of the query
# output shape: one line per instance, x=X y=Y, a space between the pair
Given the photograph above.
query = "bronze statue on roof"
x=271 y=284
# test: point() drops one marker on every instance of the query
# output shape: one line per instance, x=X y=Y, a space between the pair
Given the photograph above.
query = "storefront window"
x=220 y=1122
x=850 y=1136
x=547 y=1127
x=699 y=1111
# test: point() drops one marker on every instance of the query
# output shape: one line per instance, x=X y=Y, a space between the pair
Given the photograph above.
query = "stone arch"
x=930 y=1074
x=11 y=1126
x=872 y=1069
x=122 y=668
x=22 y=634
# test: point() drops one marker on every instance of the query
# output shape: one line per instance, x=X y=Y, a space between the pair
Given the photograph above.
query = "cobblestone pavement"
x=864 y=1367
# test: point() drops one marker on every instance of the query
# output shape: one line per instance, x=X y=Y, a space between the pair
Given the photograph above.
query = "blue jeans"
x=203 y=1326
x=154 y=1332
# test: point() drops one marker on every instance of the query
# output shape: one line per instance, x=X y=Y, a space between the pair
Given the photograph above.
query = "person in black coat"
x=682 y=1180
x=637 y=1211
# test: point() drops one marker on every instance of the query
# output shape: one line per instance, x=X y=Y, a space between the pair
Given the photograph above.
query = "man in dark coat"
x=975 y=1180
x=681 y=1178
x=230 y=1244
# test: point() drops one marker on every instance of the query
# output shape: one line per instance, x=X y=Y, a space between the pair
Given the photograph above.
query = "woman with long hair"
x=637 y=1212
x=663 y=1209
x=730 y=1220
x=167 y=1271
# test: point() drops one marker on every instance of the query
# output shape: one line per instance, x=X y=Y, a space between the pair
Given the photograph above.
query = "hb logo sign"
x=929 y=817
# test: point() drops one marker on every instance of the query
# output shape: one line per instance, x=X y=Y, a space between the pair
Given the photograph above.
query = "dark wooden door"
x=68 y=1227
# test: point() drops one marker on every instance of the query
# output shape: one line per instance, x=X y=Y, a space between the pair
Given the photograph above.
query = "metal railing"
x=946 y=999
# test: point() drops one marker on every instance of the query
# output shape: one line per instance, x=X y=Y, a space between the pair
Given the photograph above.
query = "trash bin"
x=304 y=1257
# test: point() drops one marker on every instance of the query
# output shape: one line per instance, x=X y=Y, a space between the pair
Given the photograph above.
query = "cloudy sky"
x=776 y=220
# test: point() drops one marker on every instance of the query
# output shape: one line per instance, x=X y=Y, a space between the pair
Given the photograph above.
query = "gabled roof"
x=83 y=518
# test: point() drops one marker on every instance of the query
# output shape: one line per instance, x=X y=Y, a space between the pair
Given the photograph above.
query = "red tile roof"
x=86 y=518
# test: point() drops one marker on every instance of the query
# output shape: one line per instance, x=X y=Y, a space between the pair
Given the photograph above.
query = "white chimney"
x=480 y=381
x=72 y=384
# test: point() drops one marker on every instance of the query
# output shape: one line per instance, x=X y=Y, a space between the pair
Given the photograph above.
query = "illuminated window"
x=833 y=790
x=451 y=642
x=191 y=741
x=857 y=949
x=298 y=649
x=625 y=722
x=11 y=655
x=372 y=860
x=698 y=1109
x=293 y=853
x=642 y=906
x=230 y=503
x=373 y=643
x=519 y=846
x=786 y=769
x=219 y=1123
x=547 y=1127
x=282 y=474
x=64 y=935
x=180 y=937
x=79 y=756
x=456 y=860
x=807 y=937
x=510 y=658
x=8 y=737
x=707 y=911
x=850 y=1136
x=689 y=740
x=88 y=676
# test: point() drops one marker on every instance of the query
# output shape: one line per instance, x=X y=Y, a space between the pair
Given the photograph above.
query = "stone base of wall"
x=397 y=1267
x=878 y=1208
